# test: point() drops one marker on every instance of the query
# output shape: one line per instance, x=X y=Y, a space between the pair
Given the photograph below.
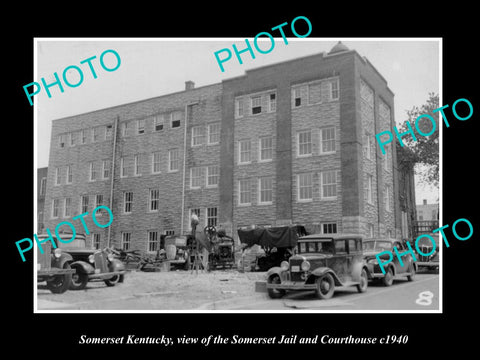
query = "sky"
x=154 y=67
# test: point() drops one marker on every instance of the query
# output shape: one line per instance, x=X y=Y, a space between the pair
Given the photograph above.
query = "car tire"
x=60 y=284
x=362 y=287
x=79 y=279
x=411 y=277
x=325 y=286
x=275 y=293
x=113 y=280
x=387 y=280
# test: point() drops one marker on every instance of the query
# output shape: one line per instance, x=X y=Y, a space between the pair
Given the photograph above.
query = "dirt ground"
x=172 y=290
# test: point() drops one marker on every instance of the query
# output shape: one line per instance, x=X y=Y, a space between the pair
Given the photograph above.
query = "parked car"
x=53 y=267
x=92 y=264
x=320 y=263
x=425 y=245
x=372 y=247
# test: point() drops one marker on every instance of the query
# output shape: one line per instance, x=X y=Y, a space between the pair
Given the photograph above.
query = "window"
x=173 y=160
x=152 y=245
x=156 y=162
x=213 y=133
x=212 y=216
x=159 y=121
x=239 y=108
x=368 y=146
x=154 y=200
x=95 y=134
x=297 y=96
x=272 y=103
x=108 y=131
x=334 y=93
x=68 y=207
x=340 y=247
x=61 y=141
x=96 y=241
x=265 y=189
x=387 y=198
x=266 y=149
x=213 y=174
x=369 y=188
x=244 y=147
x=327 y=140
x=69 y=174
x=136 y=162
x=176 y=119
x=328 y=184
x=329 y=228
x=244 y=195
x=55 y=208
x=125 y=129
x=386 y=157
x=123 y=167
x=93 y=172
x=198 y=136
x=256 y=104
x=73 y=138
x=126 y=240
x=196 y=177
x=304 y=143
x=127 y=202
x=141 y=126
x=106 y=169
x=43 y=186
x=314 y=93
x=98 y=200
x=83 y=136
x=84 y=204
x=305 y=187
x=58 y=176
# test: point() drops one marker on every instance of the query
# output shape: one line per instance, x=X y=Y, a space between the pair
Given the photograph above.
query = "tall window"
x=98 y=200
x=55 y=208
x=95 y=134
x=213 y=174
x=176 y=119
x=256 y=104
x=198 y=136
x=244 y=148
x=305 y=187
x=239 y=108
x=213 y=133
x=327 y=140
x=297 y=96
x=106 y=169
x=58 y=176
x=141 y=126
x=93 y=171
x=334 y=93
x=83 y=136
x=96 y=241
x=69 y=174
x=73 y=138
x=304 y=143
x=152 y=241
x=123 y=167
x=244 y=192
x=68 y=207
x=265 y=189
x=43 y=186
x=173 y=160
x=159 y=121
x=212 y=216
x=328 y=184
x=387 y=198
x=126 y=240
x=272 y=102
x=266 y=149
x=196 y=177
x=61 y=141
x=127 y=202
x=156 y=162
x=368 y=146
x=125 y=128
x=84 y=203
x=369 y=189
x=154 y=199
x=108 y=131
x=136 y=165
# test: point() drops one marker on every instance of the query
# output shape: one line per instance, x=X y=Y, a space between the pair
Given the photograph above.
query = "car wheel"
x=113 y=280
x=275 y=293
x=60 y=284
x=362 y=287
x=411 y=277
x=388 y=278
x=79 y=280
x=325 y=286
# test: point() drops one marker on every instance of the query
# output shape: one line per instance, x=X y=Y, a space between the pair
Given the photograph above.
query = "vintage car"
x=53 y=266
x=432 y=260
x=320 y=263
x=92 y=264
x=393 y=270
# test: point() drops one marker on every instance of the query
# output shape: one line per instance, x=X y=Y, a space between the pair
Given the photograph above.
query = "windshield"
x=325 y=247
x=76 y=243
x=377 y=245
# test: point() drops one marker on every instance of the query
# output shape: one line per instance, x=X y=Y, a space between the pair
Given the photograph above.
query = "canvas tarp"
x=282 y=236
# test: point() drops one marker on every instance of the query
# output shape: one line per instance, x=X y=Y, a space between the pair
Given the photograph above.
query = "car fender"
x=116 y=265
x=276 y=270
x=83 y=267
x=60 y=262
x=320 y=271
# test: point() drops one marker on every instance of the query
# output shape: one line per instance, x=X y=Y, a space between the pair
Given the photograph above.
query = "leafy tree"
x=425 y=150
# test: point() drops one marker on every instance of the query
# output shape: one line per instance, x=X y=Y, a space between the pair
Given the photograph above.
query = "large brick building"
x=292 y=142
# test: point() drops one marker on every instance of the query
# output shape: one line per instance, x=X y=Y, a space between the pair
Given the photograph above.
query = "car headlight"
x=57 y=253
x=284 y=265
x=91 y=259
x=305 y=266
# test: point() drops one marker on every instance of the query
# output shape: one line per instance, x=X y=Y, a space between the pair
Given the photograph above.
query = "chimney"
x=189 y=85
x=424 y=201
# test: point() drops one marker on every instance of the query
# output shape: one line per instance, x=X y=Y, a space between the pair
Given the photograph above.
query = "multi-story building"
x=292 y=142
x=41 y=191
x=427 y=212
